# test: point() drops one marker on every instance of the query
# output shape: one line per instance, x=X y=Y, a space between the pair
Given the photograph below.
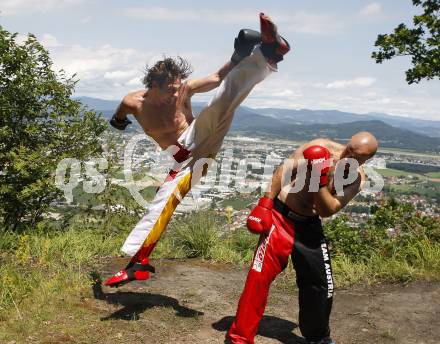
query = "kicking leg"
x=215 y=119
x=143 y=238
x=273 y=46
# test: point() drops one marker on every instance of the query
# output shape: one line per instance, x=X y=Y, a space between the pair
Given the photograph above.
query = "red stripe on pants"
x=271 y=258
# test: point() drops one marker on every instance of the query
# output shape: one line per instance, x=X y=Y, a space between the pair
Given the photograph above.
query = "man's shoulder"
x=134 y=100
x=322 y=141
x=135 y=95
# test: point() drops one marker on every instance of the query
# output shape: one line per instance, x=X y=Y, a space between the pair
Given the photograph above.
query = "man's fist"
x=260 y=219
x=118 y=123
x=318 y=158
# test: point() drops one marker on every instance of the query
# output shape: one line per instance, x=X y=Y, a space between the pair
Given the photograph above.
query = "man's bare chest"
x=162 y=120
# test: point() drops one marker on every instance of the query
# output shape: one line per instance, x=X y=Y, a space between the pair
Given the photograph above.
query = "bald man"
x=317 y=180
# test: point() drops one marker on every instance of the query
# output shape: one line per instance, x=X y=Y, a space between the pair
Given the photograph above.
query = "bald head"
x=362 y=146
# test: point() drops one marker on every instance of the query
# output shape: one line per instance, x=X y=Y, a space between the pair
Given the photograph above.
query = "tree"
x=422 y=43
x=39 y=125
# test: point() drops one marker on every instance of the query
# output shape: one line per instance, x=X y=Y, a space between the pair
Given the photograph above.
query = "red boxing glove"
x=260 y=219
x=318 y=158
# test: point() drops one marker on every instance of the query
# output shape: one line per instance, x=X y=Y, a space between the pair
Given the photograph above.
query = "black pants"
x=311 y=260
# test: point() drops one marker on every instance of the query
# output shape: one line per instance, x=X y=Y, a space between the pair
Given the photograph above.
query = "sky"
x=107 y=44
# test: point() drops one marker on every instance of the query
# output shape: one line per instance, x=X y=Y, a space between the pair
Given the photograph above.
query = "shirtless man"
x=289 y=223
x=164 y=112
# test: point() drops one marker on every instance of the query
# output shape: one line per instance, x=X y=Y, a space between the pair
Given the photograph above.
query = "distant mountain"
x=304 y=116
x=254 y=124
x=302 y=125
x=99 y=104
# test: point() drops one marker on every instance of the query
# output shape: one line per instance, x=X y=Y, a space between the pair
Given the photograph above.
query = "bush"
x=397 y=243
x=39 y=126
x=244 y=243
x=197 y=234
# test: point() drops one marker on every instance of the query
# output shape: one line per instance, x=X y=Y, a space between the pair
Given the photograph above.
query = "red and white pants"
x=305 y=243
x=201 y=142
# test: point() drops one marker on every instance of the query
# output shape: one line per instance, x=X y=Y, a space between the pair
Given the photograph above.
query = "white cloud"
x=306 y=95
x=103 y=71
x=371 y=9
x=14 y=7
x=89 y=62
x=46 y=39
x=357 y=82
x=277 y=87
x=86 y=20
x=20 y=39
x=120 y=75
x=188 y=15
x=49 y=41
x=108 y=72
x=312 y=23
x=135 y=82
x=301 y=21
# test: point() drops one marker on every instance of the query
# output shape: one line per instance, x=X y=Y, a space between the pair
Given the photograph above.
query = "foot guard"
x=273 y=45
x=138 y=271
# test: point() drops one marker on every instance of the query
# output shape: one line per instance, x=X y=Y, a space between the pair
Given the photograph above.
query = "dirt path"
x=191 y=301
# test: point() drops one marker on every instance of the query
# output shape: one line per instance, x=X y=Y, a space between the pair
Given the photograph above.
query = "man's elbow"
x=124 y=107
x=327 y=211
x=322 y=213
x=217 y=78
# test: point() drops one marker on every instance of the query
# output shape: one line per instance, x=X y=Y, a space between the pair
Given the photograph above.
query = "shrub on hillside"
x=393 y=231
x=39 y=126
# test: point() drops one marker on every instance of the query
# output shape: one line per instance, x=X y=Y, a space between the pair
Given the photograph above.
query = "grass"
x=39 y=264
x=391 y=172
x=38 y=269
x=428 y=189
x=203 y=235
x=390 y=334
x=197 y=236
x=119 y=195
x=425 y=265
x=433 y=175
x=404 y=188
x=236 y=203
x=406 y=151
x=47 y=273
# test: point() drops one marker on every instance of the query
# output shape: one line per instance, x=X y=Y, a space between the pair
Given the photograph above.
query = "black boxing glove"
x=118 y=123
x=244 y=43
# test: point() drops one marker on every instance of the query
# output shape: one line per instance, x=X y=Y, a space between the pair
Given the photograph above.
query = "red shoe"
x=273 y=45
x=138 y=271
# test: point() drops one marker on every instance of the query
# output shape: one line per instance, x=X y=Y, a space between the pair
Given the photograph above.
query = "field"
x=50 y=290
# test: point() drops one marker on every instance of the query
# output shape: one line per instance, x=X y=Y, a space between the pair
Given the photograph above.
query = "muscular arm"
x=328 y=204
x=274 y=187
x=127 y=106
x=290 y=164
x=209 y=82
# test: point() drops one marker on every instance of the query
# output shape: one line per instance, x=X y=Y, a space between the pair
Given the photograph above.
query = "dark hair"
x=166 y=71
